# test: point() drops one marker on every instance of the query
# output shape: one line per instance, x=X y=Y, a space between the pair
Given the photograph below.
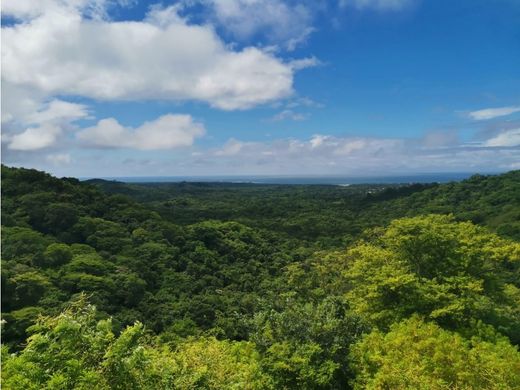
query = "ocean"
x=319 y=180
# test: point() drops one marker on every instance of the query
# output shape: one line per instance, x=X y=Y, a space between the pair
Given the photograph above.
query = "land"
x=221 y=285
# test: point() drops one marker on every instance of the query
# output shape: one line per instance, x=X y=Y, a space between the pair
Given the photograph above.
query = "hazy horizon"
x=429 y=177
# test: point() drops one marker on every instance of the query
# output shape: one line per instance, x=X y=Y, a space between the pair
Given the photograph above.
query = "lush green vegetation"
x=225 y=286
x=331 y=216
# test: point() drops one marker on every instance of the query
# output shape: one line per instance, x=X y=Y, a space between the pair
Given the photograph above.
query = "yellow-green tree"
x=457 y=274
x=74 y=350
x=420 y=355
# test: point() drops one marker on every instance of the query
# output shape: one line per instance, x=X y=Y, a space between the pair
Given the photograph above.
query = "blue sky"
x=224 y=87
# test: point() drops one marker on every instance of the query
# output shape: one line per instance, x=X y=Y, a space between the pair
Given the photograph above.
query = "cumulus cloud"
x=60 y=52
x=35 y=138
x=505 y=139
x=283 y=23
x=315 y=153
x=490 y=113
x=323 y=153
x=46 y=125
x=166 y=132
x=337 y=147
x=231 y=147
x=317 y=140
x=58 y=111
x=72 y=48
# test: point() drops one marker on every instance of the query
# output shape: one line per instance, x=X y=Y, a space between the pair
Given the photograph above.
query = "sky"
x=107 y=88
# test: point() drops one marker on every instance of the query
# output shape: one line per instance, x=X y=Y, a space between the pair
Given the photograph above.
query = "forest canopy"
x=109 y=285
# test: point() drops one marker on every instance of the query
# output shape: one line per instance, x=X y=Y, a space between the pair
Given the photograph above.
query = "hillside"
x=326 y=214
x=196 y=285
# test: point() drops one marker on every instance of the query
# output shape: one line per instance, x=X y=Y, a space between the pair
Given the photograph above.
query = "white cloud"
x=317 y=140
x=320 y=154
x=303 y=63
x=18 y=102
x=505 y=139
x=166 y=132
x=59 y=52
x=58 y=111
x=363 y=156
x=59 y=159
x=339 y=147
x=319 y=149
x=46 y=125
x=490 y=113
x=35 y=138
x=289 y=114
x=282 y=22
x=231 y=148
x=380 y=5
x=303 y=102
x=351 y=146
x=69 y=47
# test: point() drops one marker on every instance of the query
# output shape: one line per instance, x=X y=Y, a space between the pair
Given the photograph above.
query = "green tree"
x=102 y=234
x=420 y=355
x=23 y=244
x=453 y=273
x=28 y=287
x=60 y=217
x=15 y=323
x=57 y=255
x=74 y=350
x=306 y=346
x=208 y=363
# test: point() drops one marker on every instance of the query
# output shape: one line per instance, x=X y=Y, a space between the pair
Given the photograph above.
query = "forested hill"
x=224 y=286
x=331 y=215
x=61 y=237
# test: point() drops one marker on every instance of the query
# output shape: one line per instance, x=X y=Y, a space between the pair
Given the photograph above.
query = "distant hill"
x=309 y=210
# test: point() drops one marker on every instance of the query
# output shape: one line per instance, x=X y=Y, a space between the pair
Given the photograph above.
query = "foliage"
x=76 y=351
x=420 y=355
x=212 y=364
x=305 y=346
x=243 y=286
x=325 y=216
x=453 y=273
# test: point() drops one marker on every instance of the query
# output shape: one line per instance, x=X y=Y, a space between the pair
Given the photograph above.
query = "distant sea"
x=324 y=180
